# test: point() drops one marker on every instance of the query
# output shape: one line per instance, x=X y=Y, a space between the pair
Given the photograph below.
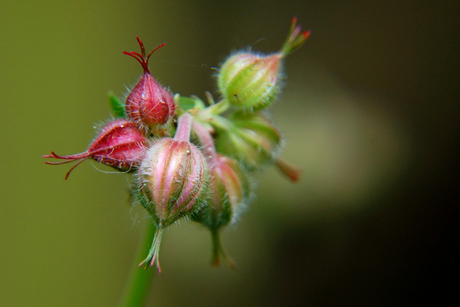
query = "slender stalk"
x=183 y=127
x=138 y=286
x=218 y=108
x=206 y=140
x=213 y=109
x=219 y=252
x=216 y=247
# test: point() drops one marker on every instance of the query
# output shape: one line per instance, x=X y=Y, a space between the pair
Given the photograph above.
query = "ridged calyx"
x=249 y=80
x=172 y=180
x=119 y=144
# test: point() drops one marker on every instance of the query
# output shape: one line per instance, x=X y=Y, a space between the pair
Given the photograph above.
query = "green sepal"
x=251 y=139
x=118 y=107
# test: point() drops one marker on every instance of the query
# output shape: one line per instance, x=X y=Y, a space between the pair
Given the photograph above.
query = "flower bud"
x=251 y=139
x=172 y=182
x=250 y=80
x=149 y=104
x=229 y=192
x=119 y=144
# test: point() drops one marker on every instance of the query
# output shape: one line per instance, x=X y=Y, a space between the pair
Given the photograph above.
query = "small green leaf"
x=118 y=108
x=186 y=103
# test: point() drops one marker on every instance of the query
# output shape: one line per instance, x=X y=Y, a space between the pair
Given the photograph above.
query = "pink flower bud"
x=149 y=104
x=172 y=182
x=120 y=144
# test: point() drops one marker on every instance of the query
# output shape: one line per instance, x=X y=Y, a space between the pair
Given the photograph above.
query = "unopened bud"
x=229 y=192
x=119 y=144
x=149 y=104
x=172 y=179
x=250 y=80
x=172 y=182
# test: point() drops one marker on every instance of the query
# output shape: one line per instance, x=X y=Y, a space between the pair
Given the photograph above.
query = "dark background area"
x=370 y=111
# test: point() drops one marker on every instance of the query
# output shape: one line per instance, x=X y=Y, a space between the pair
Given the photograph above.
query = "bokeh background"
x=370 y=112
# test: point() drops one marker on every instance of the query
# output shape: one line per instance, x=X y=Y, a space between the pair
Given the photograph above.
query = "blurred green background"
x=370 y=111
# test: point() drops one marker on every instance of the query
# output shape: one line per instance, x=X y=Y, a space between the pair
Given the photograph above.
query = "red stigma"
x=140 y=57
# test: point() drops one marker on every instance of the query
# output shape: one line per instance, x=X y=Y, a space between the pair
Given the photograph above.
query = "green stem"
x=218 y=251
x=221 y=123
x=219 y=107
x=137 y=288
x=213 y=110
x=215 y=248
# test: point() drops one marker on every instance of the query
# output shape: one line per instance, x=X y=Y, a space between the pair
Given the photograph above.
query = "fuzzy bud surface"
x=172 y=180
x=250 y=80
x=229 y=191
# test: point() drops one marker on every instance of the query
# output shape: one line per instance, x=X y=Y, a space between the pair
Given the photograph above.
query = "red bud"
x=120 y=144
x=149 y=104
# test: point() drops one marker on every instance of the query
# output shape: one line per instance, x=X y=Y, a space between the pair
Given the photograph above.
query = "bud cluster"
x=190 y=158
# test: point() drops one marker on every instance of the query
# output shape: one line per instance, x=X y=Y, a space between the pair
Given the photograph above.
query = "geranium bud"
x=172 y=182
x=251 y=139
x=229 y=192
x=149 y=104
x=119 y=144
x=250 y=80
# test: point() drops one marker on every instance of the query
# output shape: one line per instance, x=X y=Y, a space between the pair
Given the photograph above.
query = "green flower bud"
x=250 y=80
